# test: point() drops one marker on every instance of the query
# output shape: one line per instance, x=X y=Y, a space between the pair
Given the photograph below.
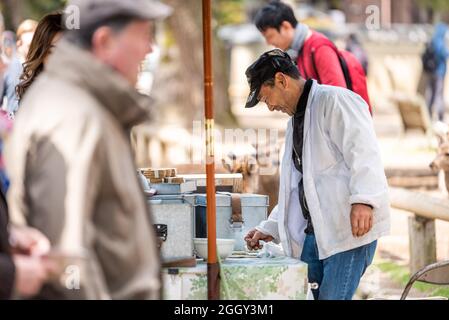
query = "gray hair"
x=82 y=37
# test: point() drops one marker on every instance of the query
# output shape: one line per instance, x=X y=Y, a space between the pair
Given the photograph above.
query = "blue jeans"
x=339 y=275
x=435 y=99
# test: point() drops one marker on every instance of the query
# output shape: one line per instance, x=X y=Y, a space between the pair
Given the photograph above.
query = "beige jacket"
x=73 y=177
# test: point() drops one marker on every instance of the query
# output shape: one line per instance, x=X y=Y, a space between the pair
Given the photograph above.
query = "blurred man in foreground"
x=69 y=158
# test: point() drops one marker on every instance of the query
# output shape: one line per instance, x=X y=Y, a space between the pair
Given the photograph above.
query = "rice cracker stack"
x=156 y=180
x=170 y=172
x=154 y=173
x=159 y=175
x=176 y=180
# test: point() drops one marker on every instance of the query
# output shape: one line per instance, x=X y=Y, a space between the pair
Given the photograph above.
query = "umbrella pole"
x=213 y=280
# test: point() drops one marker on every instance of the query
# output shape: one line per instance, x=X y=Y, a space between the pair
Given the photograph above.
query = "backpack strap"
x=345 y=69
x=343 y=64
x=312 y=54
x=301 y=61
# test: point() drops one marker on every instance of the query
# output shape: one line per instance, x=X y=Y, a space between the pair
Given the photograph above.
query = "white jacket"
x=341 y=165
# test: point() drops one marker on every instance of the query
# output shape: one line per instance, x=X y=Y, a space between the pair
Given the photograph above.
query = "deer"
x=441 y=161
x=259 y=166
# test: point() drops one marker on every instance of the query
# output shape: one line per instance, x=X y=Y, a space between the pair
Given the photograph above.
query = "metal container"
x=173 y=219
x=231 y=225
x=174 y=188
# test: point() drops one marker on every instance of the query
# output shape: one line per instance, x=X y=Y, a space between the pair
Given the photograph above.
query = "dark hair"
x=273 y=14
x=291 y=72
x=83 y=37
x=40 y=47
x=263 y=72
x=271 y=62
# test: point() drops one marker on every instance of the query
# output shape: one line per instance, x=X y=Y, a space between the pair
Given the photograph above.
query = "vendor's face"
x=277 y=97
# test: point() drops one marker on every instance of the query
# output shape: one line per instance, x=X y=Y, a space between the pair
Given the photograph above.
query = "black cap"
x=263 y=69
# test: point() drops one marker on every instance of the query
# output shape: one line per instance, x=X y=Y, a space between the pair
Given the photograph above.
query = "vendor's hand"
x=361 y=219
x=253 y=237
x=31 y=274
x=28 y=241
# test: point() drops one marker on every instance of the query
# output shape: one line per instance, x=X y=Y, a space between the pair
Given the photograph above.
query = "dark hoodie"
x=7 y=270
x=441 y=49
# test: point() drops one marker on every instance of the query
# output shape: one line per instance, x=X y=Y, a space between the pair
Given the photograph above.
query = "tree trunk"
x=222 y=68
x=186 y=25
x=13 y=13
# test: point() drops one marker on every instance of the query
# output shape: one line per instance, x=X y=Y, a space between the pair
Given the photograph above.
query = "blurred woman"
x=21 y=267
x=48 y=32
x=11 y=77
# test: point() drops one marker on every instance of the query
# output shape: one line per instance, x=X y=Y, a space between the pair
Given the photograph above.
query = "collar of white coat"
x=308 y=107
x=291 y=249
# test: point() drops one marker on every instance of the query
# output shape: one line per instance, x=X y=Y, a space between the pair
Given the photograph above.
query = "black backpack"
x=429 y=59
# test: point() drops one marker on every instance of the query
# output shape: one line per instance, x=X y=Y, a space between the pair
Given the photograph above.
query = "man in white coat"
x=333 y=195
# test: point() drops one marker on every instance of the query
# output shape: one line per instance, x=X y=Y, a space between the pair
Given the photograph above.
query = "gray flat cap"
x=95 y=11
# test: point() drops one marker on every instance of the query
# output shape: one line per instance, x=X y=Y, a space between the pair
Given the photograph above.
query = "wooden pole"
x=421 y=226
x=213 y=281
x=420 y=204
x=422 y=241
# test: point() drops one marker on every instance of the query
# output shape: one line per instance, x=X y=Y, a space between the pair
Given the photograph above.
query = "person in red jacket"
x=277 y=23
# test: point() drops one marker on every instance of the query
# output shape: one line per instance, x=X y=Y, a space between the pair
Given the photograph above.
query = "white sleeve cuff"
x=269 y=227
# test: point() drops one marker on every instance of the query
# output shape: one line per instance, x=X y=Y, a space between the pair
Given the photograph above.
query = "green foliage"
x=14 y=11
x=36 y=9
x=401 y=275
x=229 y=11
x=435 y=5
